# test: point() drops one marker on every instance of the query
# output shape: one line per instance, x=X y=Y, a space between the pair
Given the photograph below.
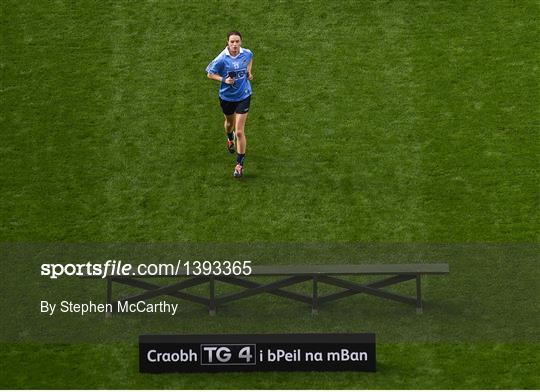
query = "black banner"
x=241 y=353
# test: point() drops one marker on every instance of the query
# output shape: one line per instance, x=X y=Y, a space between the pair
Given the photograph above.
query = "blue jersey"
x=236 y=67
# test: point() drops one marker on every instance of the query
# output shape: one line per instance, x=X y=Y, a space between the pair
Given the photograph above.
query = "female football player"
x=232 y=68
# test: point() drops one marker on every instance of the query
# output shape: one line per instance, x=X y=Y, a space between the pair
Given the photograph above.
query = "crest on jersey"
x=236 y=65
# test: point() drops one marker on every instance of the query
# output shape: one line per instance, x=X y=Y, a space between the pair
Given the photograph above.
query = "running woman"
x=232 y=68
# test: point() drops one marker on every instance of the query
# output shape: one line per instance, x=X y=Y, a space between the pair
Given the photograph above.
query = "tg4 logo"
x=228 y=354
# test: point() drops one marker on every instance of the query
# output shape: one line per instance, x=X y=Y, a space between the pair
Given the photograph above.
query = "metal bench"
x=287 y=275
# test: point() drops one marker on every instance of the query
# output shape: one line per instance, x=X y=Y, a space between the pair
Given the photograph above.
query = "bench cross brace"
x=371 y=289
x=251 y=288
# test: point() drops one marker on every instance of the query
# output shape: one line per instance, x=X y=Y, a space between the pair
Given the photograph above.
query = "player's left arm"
x=250 y=75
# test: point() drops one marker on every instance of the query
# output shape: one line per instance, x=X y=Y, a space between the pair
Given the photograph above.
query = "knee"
x=228 y=124
x=239 y=133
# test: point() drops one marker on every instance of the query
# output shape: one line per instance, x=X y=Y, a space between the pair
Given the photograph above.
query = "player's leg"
x=228 y=109
x=240 y=123
x=229 y=131
x=241 y=143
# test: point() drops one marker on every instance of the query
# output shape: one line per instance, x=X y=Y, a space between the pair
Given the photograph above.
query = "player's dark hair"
x=233 y=33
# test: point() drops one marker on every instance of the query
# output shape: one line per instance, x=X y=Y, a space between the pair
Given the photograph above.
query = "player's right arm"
x=215 y=68
x=220 y=78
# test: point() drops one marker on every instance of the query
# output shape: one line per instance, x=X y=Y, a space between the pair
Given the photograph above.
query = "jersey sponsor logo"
x=238 y=74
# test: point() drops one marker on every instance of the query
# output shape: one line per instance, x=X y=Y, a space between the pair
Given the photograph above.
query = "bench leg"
x=109 y=296
x=419 y=308
x=212 y=302
x=315 y=298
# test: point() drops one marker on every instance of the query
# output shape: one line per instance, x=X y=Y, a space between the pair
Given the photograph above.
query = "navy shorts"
x=229 y=107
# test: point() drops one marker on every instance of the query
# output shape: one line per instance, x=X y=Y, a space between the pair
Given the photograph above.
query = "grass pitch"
x=370 y=122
